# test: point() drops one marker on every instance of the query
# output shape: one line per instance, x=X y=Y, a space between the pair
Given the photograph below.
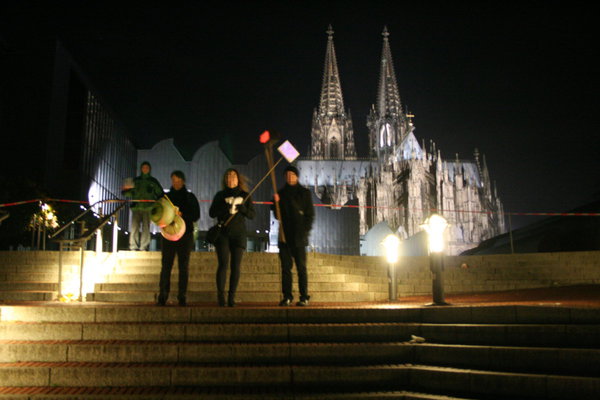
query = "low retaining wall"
x=462 y=274
x=469 y=274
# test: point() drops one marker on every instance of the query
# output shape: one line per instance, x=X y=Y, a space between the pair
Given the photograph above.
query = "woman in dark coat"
x=231 y=243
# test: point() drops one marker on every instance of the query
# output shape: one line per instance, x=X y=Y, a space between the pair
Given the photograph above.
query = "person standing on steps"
x=189 y=210
x=231 y=242
x=145 y=187
x=297 y=217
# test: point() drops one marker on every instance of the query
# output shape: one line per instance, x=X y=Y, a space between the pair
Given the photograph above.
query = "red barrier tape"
x=544 y=214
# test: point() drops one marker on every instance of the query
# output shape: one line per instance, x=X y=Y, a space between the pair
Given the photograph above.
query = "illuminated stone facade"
x=402 y=182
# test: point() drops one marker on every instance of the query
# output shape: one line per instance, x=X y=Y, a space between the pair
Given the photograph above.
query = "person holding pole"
x=297 y=216
x=234 y=205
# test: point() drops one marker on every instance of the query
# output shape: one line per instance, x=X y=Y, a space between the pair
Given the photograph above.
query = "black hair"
x=178 y=174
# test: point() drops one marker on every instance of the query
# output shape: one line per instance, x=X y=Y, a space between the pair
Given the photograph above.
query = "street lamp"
x=391 y=244
x=435 y=226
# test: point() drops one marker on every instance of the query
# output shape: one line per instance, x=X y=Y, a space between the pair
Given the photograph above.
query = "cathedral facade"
x=401 y=182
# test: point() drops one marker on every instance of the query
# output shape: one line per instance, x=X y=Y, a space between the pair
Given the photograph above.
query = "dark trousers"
x=182 y=248
x=139 y=239
x=229 y=254
x=288 y=254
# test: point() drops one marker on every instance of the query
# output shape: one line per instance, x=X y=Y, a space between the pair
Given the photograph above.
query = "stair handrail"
x=80 y=242
x=91 y=208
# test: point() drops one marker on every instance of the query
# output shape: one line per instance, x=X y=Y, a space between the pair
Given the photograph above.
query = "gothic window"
x=385 y=135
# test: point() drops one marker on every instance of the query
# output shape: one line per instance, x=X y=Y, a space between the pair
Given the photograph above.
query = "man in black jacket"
x=297 y=216
x=189 y=211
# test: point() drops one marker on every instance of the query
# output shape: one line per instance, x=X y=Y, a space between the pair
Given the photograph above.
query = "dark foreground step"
x=205 y=375
x=377 y=312
x=207 y=353
x=437 y=380
x=564 y=336
x=579 y=362
x=187 y=392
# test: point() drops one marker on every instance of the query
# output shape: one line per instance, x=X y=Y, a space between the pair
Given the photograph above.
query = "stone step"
x=74 y=374
x=387 y=332
x=36 y=277
x=501 y=385
x=273 y=296
x=245 y=275
x=28 y=286
x=209 y=286
x=516 y=335
x=579 y=362
x=28 y=295
x=204 y=352
x=197 y=267
x=466 y=317
x=551 y=360
x=453 y=381
x=39 y=268
x=190 y=392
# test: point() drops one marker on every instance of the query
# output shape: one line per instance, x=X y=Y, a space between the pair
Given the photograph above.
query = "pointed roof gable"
x=332 y=102
x=409 y=148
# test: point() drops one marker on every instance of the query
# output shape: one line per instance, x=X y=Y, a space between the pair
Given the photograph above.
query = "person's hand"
x=241 y=208
x=276 y=197
x=178 y=212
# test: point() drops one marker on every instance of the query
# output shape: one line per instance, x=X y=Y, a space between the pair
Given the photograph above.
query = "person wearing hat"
x=297 y=216
x=189 y=210
x=145 y=187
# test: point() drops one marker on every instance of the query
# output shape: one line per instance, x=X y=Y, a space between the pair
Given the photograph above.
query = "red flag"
x=265 y=137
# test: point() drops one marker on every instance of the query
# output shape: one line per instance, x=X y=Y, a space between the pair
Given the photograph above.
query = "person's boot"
x=221 y=298
x=231 y=299
x=162 y=300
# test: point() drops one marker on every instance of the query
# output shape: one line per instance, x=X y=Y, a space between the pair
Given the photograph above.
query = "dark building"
x=59 y=138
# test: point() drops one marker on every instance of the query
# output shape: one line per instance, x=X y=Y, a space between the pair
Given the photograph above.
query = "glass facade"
x=108 y=156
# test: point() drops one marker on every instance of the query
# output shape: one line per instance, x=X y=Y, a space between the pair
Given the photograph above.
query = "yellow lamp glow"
x=391 y=244
x=435 y=226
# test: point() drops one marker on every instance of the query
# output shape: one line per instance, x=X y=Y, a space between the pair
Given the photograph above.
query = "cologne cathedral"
x=402 y=182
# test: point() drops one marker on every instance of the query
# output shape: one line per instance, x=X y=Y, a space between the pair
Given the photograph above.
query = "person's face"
x=291 y=178
x=145 y=169
x=232 y=179
x=177 y=182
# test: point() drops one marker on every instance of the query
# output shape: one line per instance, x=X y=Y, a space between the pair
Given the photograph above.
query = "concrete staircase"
x=146 y=352
x=134 y=276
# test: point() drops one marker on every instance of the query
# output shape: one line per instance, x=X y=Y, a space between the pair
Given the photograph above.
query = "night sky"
x=517 y=81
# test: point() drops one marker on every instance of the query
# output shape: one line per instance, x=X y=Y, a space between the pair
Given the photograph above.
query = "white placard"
x=288 y=151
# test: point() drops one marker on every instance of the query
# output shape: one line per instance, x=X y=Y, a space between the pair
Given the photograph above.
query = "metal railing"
x=85 y=235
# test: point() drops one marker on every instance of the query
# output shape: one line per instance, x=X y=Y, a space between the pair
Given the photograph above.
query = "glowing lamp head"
x=392 y=248
x=435 y=226
x=265 y=137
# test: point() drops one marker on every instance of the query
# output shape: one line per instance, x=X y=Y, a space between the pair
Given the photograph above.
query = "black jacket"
x=297 y=213
x=188 y=205
x=220 y=209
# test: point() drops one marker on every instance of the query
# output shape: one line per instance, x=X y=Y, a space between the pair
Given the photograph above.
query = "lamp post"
x=435 y=226
x=391 y=244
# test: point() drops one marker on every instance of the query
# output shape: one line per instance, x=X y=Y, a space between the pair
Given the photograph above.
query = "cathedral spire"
x=387 y=124
x=388 y=96
x=332 y=102
x=332 y=133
